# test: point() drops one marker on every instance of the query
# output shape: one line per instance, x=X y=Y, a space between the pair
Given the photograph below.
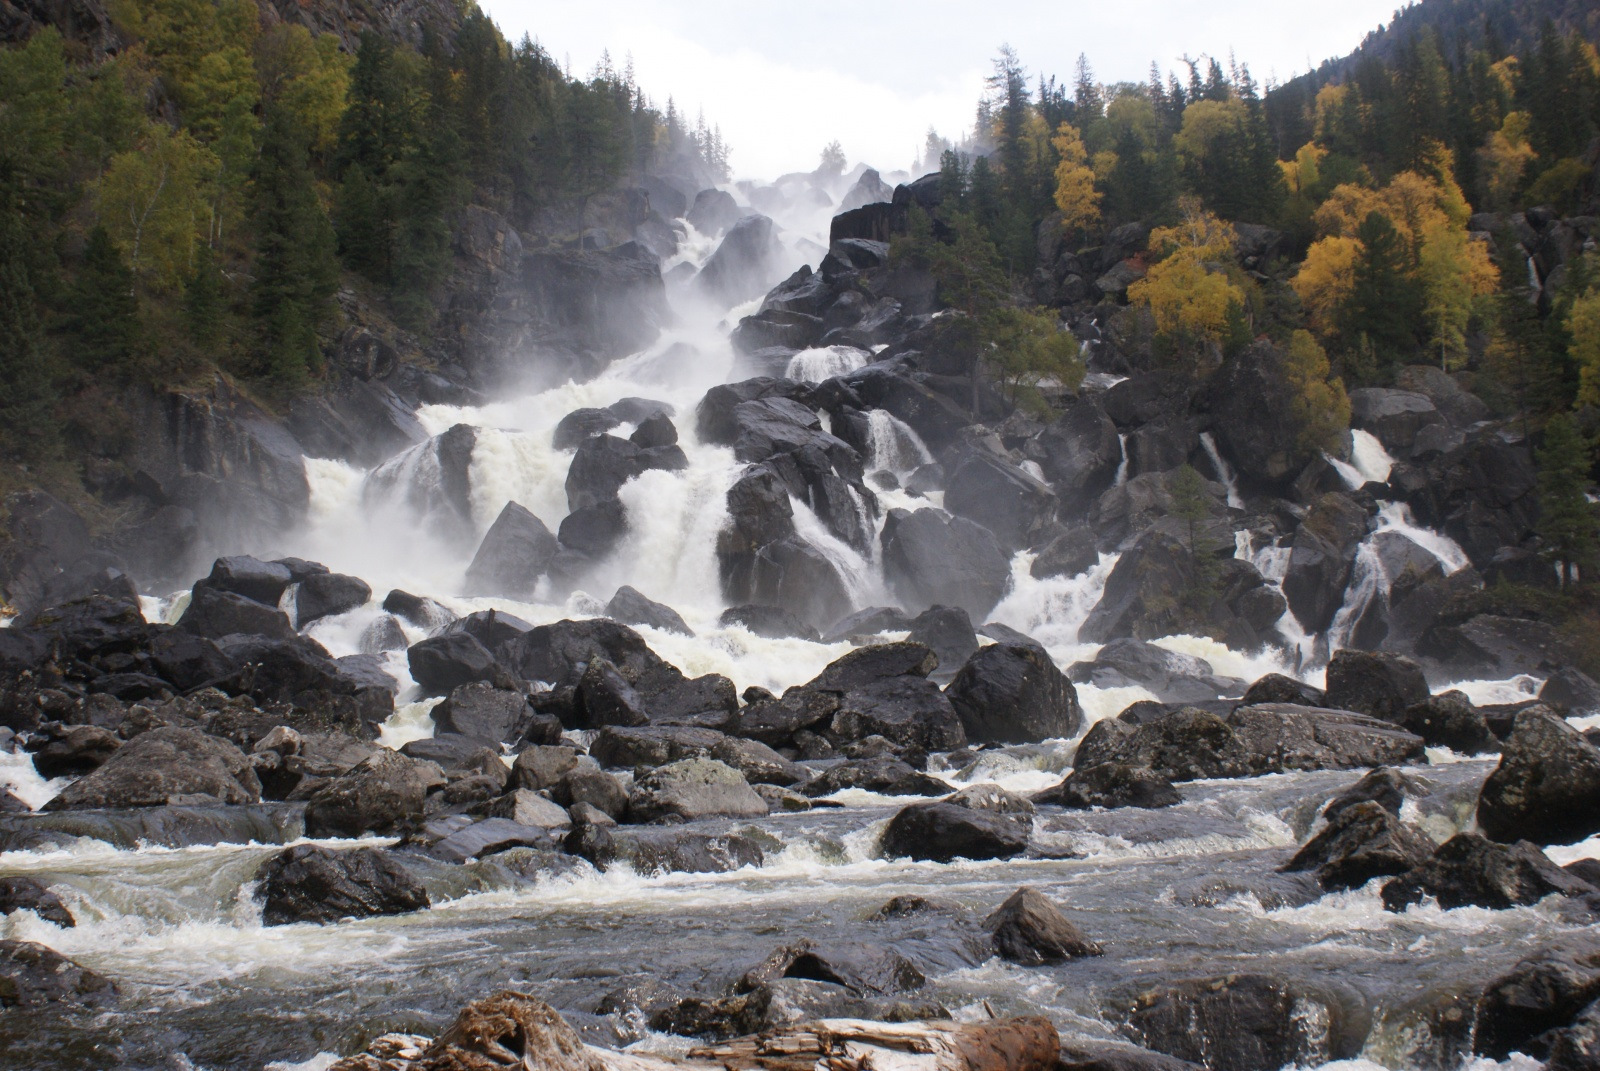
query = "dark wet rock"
x=863 y=969
x=1001 y=497
x=492 y=628
x=441 y=664
x=1577 y=1046
x=528 y=808
x=1276 y=688
x=542 y=767
x=948 y=631
x=373 y=797
x=1450 y=720
x=32 y=975
x=1320 y=562
x=458 y=838
x=785 y=1002
x=1362 y=842
x=759 y=764
x=586 y=786
x=1030 y=930
x=1173 y=677
x=259 y=581
x=482 y=711
x=886 y=776
x=1470 y=871
x=875 y=664
x=214 y=613
x=769 y=622
x=417 y=610
x=652 y=852
x=909 y=711
x=603 y=697
x=1394 y=416
x=448 y=751
x=1192 y=744
x=600 y=468
x=583 y=424
x=180 y=826
x=1378 y=685
x=1521 y=1010
x=693 y=788
x=1255 y=427
x=1138 y=594
x=72 y=751
x=594 y=530
x=383 y=635
x=1571 y=690
x=1009 y=694
x=1079 y=1054
x=932 y=558
x=1246 y=1022
x=1547 y=786
x=308 y=883
x=942 y=831
x=328 y=595
x=1073 y=553
x=162 y=766
x=868 y=622
x=775 y=722
x=1386 y=787
x=515 y=553
x=352 y=695
x=626 y=747
x=29 y=894
x=559 y=653
x=746 y=263
x=632 y=608
x=1111 y=785
x=713 y=211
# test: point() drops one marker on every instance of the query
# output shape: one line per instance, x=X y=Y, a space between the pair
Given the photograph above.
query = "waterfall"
x=1122 y=466
x=1223 y=470
x=825 y=362
x=893 y=446
x=1369 y=461
x=861 y=578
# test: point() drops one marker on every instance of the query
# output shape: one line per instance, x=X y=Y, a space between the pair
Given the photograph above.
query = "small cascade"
x=860 y=575
x=894 y=446
x=1223 y=470
x=1369 y=583
x=1396 y=517
x=1122 y=466
x=825 y=362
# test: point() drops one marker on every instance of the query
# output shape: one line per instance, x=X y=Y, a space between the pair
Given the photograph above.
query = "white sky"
x=782 y=80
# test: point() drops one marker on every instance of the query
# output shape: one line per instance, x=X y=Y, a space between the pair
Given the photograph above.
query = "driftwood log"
x=514 y=1030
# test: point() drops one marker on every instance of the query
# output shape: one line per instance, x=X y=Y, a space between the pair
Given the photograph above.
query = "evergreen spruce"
x=104 y=312
x=1567 y=519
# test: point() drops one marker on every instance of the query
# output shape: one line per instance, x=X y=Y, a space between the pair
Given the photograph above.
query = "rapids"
x=1188 y=891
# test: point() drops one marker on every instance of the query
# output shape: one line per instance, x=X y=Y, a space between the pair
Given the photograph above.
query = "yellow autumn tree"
x=310 y=76
x=1583 y=322
x=155 y=201
x=1189 y=292
x=1504 y=158
x=1326 y=279
x=1319 y=403
x=1076 y=196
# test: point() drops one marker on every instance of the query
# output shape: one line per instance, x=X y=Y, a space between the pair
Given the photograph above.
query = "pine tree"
x=28 y=429
x=203 y=305
x=1385 y=305
x=1567 y=521
x=295 y=270
x=104 y=313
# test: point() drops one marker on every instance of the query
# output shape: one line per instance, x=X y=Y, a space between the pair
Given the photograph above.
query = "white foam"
x=19 y=777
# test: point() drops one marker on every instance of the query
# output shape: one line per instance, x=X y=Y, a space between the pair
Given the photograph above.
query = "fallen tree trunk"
x=514 y=1030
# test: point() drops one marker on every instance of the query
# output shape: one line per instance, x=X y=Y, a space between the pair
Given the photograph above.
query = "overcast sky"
x=782 y=80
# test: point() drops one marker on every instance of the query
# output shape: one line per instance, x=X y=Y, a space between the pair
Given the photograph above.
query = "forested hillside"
x=187 y=185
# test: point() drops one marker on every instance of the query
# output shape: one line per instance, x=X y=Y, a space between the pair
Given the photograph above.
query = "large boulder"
x=1080 y=453
x=482 y=711
x=1031 y=930
x=328 y=595
x=373 y=797
x=1001 y=497
x=949 y=632
x=1014 y=694
x=1111 y=785
x=1192 y=744
x=264 y=582
x=630 y=607
x=1170 y=676
x=1139 y=599
x=163 y=766
x=883 y=775
x=351 y=694
x=1450 y=720
x=441 y=664
x=1525 y=1009
x=650 y=852
x=1362 y=842
x=30 y=894
x=214 y=613
x=309 y=883
x=1322 y=558
x=1252 y=405
x=1246 y=1022
x=1379 y=685
x=627 y=748
x=32 y=975
x=559 y=653
x=432 y=480
x=693 y=788
x=713 y=211
x=1547 y=786
x=864 y=969
x=579 y=309
x=1469 y=871
x=745 y=265
x=515 y=553
x=1394 y=417
x=909 y=711
x=942 y=831
x=931 y=558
